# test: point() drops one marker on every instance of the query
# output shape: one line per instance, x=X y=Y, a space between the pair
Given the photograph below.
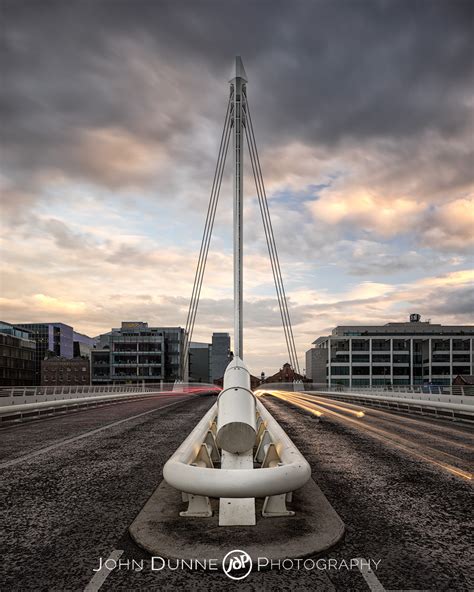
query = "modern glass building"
x=411 y=353
x=220 y=356
x=17 y=356
x=56 y=338
x=200 y=359
x=137 y=353
x=82 y=345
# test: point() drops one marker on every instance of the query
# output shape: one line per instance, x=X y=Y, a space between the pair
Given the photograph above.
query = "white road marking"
x=27 y=457
x=103 y=573
x=369 y=576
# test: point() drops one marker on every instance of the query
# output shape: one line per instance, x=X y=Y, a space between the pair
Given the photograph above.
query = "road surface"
x=73 y=484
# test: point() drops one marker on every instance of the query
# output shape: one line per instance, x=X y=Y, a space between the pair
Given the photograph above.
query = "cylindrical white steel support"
x=236 y=418
x=238 y=82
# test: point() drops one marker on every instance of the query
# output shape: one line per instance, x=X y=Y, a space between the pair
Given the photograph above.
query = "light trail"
x=299 y=400
x=357 y=413
x=393 y=418
x=380 y=434
x=281 y=395
x=416 y=420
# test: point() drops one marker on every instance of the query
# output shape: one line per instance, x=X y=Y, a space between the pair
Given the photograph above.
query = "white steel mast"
x=238 y=82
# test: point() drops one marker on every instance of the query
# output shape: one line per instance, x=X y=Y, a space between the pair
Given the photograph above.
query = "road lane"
x=448 y=455
x=62 y=511
x=411 y=515
x=21 y=438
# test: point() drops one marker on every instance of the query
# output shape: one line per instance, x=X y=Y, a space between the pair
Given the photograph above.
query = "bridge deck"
x=74 y=488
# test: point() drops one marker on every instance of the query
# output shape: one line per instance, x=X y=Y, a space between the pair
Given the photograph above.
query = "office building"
x=65 y=372
x=17 y=356
x=55 y=338
x=220 y=356
x=407 y=353
x=137 y=353
x=200 y=356
x=82 y=345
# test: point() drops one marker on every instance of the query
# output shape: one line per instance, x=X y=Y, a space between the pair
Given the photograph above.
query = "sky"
x=111 y=115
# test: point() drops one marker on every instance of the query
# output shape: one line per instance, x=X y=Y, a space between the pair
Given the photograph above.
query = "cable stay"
x=206 y=238
x=267 y=226
x=270 y=237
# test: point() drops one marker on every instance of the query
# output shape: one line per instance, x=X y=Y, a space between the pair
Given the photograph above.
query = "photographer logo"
x=237 y=564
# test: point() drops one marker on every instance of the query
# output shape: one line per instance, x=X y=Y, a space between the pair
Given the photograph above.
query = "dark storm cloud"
x=325 y=72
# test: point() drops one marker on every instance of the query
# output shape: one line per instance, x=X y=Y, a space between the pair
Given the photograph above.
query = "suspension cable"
x=206 y=238
x=269 y=235
x=269 y=245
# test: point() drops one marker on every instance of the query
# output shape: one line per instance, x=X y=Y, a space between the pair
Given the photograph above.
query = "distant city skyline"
x=112 y=115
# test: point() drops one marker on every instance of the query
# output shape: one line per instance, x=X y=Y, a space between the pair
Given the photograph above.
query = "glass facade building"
x=220 y=356
x=56 y=338
x=17 y=356
x=200 y=359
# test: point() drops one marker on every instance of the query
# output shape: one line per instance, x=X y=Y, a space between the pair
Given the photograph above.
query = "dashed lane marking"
x=103 y=573
x=369 y=576
x=61 y=443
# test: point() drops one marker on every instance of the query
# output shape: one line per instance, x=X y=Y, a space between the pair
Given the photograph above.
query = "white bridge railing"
x=450 y=402
x=428 y=392
x=39 y=394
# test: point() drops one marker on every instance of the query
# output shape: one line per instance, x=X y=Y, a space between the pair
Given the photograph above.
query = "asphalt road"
x=73 y=484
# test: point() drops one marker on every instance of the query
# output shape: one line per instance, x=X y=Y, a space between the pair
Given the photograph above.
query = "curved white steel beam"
x=292 y=474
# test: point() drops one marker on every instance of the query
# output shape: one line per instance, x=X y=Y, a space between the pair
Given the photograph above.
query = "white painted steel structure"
x=290 y=474
x=256 y=457
x=238 y=83
x=236 y=420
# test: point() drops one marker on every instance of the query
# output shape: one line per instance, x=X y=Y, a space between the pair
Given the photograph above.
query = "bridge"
x=75 y=478
x=189 y=486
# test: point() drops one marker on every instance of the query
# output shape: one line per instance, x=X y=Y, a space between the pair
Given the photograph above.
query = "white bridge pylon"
x=238 y=452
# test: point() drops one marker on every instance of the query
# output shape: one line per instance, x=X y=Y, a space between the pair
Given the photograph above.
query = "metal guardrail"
x=452 y=403
x=42 y=394
x=456 y=407
x=421 y=392
x=31 y=401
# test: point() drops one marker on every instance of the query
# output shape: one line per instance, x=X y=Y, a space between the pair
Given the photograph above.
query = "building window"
x=339 y=370
x=360 y=382
x=360 y=358
x=360 y=370
x=360 y=345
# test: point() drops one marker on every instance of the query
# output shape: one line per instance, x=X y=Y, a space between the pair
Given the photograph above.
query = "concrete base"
x=160 y=530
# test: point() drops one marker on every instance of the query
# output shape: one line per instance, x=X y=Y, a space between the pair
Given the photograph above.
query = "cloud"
x=372 y=213
x=450 y=225
x=111 y=122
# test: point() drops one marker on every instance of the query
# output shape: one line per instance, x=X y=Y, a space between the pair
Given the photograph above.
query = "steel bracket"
x=199 y=506
x=265 y=440
x=211 y=445
x=271 y=458
x=275 y=505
